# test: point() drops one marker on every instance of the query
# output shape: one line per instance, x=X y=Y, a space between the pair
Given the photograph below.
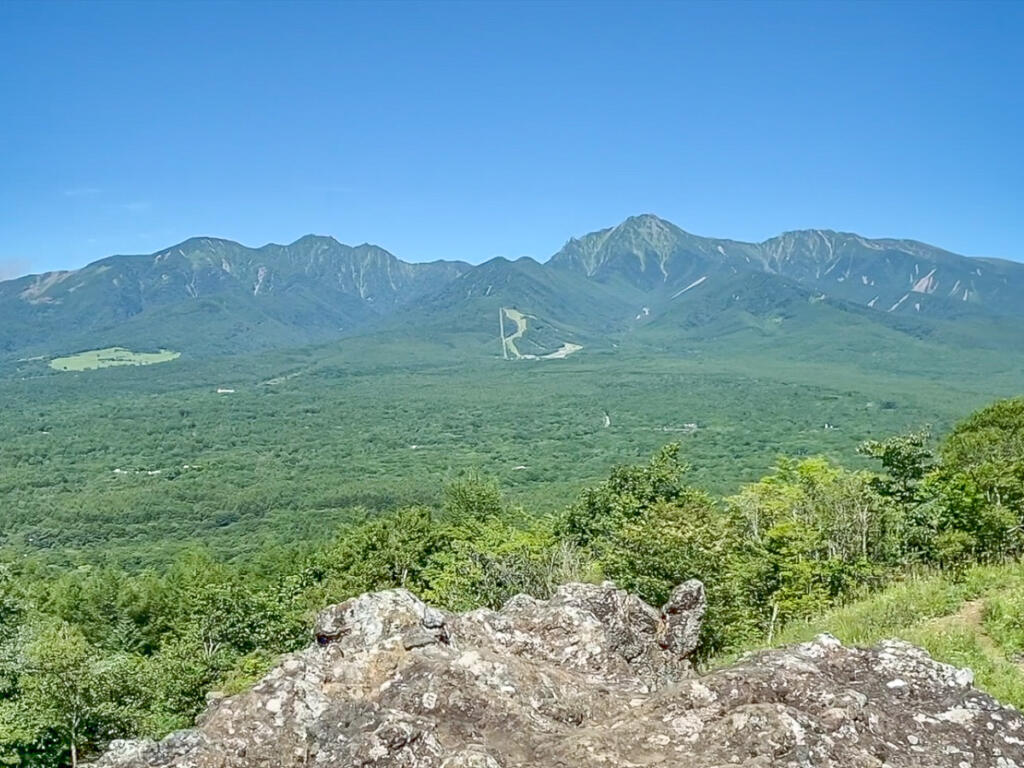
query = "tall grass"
x=925 y=609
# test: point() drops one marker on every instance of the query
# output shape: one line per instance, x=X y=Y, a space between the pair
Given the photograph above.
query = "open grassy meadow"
x=94 y=359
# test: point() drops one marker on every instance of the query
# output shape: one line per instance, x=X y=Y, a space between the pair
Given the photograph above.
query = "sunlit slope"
x=208 y=296
x=892 y=276
x=558 y=309
x=968 y=620
x=216 y=294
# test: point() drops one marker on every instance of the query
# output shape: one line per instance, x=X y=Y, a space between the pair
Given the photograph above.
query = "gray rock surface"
x=592 y=677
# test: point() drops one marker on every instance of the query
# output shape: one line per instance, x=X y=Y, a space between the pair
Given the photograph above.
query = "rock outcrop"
x=593 y=676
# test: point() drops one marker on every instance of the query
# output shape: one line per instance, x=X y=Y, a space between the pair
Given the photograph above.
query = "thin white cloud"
x=82 y=192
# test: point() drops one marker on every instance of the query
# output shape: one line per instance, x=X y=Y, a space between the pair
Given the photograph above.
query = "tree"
x=15 y=733
x=849 y=518
x=809 y=534
x=905 y=461
x=673 y=541
x=379 y=553
x=68 y=689
x=12 y=616
x=627 y=494
x=977 y=489
x=485 y=562
x=988 y=447
x=178 y=677
x=472 y=498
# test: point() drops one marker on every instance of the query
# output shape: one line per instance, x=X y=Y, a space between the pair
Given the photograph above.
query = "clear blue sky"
x=473 y=130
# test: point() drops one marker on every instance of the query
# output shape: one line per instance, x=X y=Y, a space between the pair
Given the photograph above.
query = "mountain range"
x=644 y=279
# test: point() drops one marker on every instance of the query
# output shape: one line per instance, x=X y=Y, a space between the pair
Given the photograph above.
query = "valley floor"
x=238 y=453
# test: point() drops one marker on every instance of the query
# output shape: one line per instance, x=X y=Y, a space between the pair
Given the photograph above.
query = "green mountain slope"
x=234 y=296
x=656 y=258
x=649 y=254
x=895 y=275
x=645 y=279
x=558 y=307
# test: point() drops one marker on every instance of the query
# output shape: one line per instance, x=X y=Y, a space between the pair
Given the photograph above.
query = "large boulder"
x=593 y=676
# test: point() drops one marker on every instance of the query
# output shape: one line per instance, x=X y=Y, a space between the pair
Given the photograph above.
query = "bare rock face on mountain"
x=593 y=676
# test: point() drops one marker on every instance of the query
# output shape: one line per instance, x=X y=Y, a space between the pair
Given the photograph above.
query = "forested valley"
x=99 y=650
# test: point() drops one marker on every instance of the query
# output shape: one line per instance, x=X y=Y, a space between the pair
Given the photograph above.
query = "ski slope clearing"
x=511 y=350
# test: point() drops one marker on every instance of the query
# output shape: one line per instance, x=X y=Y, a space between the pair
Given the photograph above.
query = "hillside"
x=208 y=296
x=970 y=619
x=656 y=335
x=545 y=621
x=661 y=261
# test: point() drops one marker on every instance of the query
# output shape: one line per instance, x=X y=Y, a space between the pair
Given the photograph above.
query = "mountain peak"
x=198 y=242
x=312 y=239
x=313 y=287
x=639 y=248
x=647 y=219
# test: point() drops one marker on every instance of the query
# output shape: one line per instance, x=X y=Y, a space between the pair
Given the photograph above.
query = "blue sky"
x=474 y=130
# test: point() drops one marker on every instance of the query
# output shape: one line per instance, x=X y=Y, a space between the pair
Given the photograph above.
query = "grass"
x=968 y=621
x=94 y=359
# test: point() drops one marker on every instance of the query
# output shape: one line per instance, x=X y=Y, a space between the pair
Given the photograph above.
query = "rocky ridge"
x=593 y=676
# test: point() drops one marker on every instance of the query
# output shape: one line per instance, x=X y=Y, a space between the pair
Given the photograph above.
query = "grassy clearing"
x=972 y=621
x=109 y=357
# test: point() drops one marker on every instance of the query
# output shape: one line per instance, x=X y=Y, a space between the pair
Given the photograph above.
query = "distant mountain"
x=559 y=308
x=650 y=254
x=895 y=275
x=645 y=278
x=659 y=259
x=223 y=292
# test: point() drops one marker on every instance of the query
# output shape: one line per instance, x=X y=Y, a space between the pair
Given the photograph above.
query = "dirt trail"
x=972 y=613
x=971 y=616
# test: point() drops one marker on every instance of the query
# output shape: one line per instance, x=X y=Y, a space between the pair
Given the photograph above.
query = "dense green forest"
x=166 y=531
x=101 y=650
x=136 y=464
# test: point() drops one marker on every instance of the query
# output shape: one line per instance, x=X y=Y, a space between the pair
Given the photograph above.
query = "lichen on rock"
x=593 y=676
